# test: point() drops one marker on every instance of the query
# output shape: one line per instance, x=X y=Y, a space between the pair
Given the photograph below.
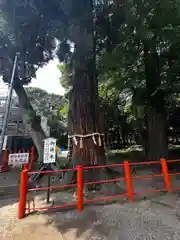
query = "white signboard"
x=18 y=158
x=49 y=150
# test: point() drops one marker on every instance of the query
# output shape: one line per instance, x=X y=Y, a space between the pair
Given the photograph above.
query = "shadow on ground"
x=79 y=224
x=155 y=218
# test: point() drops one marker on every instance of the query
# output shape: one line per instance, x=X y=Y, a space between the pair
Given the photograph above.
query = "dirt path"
x=150 y=219
x=32 y=227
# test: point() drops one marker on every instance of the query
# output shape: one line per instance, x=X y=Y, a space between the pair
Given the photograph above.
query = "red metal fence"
x=80 y=184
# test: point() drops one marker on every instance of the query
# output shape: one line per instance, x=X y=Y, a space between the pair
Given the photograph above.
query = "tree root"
x=90 y=175
x=112 y=187
x=105 y=188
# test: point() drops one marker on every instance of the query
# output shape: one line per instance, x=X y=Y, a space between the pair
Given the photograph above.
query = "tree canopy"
x=49 y=106
x=24 y=30
x=120 y=57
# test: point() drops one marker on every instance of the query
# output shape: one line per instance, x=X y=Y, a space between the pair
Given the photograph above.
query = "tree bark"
x=156 y=115
x=85 y=118
x=84 y=106
x=84 y=99
x=29 y=117
x=84 y=115
x=157 y=138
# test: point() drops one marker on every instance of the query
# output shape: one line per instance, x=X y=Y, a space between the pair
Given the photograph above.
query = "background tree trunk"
x=157 y=131
x=29 y=117
x=157 y=138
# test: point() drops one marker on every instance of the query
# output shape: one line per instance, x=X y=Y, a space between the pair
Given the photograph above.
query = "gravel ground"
x=157 y=216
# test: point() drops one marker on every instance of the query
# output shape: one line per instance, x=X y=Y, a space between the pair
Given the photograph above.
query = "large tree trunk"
x=84 y=111
x=29 y=117
x=85 y=118
x=157 y=138
x=84 y=115
x=156 y=116
x=84 y=101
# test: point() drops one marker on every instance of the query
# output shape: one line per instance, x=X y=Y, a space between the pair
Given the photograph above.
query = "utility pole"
x=8 y=104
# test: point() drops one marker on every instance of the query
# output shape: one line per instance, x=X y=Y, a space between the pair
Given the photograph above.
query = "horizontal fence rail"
x=80 y=184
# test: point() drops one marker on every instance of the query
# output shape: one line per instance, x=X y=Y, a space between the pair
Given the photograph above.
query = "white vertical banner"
x=49 y=150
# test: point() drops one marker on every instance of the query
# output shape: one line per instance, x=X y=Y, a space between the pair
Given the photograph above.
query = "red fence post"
x=128 y=180
x=5 y=161
x=166 y=174
x=80 y=187
x=23 y=192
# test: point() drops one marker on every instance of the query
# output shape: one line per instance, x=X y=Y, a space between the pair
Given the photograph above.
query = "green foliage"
x=25 y=31
x=64 y=110
x=131 y=25
x=44 y=103
x=65 y=72
x=116 y=32
x=49 y=106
